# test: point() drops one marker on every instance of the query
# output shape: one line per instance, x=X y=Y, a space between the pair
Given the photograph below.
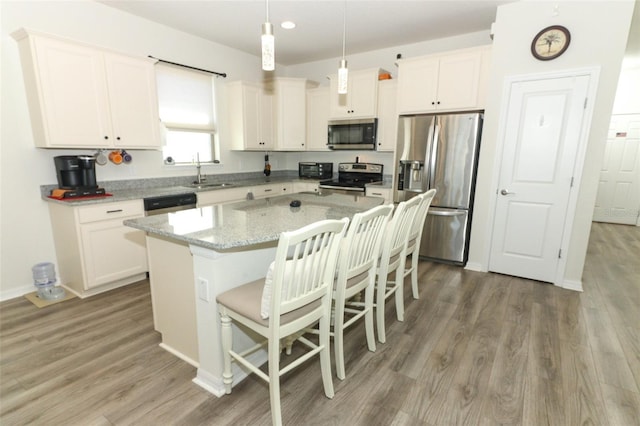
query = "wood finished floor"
x=476 y=349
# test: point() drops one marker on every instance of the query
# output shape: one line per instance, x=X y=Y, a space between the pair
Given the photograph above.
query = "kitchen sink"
x=208 y=185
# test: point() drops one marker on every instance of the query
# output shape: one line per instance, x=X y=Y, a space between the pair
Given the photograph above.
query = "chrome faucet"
x=199 y=177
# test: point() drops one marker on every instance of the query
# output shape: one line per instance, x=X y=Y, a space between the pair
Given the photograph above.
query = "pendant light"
x=343 y=72
x=268 y=44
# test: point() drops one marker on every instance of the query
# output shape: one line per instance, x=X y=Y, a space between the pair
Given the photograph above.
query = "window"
x=186 y=100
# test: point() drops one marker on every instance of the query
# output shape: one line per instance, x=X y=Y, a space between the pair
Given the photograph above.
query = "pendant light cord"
x=344 y=29
x=267 y=9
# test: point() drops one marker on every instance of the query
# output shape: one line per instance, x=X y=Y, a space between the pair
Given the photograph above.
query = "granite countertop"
x=144 y=188
x=232 y=226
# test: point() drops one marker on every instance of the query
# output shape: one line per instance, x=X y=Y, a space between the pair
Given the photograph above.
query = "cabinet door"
x=305 y=187
x=361 y=98
x=317 y=118
x=290 y=114
x=267 y=131
x=379 y=193
x=387 y=116
x=221 y=196
x=73 y=98
x=417 y=85
x=459 y=81
x=253 y=118
x=134 y=102
x=111 y=252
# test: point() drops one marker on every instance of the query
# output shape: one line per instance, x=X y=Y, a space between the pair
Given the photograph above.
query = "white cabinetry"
x=387 y=116
x=300 y=186
x=222 y=196
x=271 y=190
x=317 y=118
x=82 y=96
x=454 y=81
x=95 y=251
x=290 y=102
x=361 y=98
x=269 y=116
x=250 y=111
x=373 y=191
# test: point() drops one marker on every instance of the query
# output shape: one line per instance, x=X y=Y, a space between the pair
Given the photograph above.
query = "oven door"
x=352 y=134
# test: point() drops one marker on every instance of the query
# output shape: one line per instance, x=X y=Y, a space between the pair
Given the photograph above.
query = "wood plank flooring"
x=475 y=349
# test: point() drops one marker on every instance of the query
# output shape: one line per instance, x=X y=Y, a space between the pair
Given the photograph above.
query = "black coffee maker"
x=76 y=172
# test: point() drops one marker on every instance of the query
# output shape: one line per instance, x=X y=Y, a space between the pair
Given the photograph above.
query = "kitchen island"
x=196 y=254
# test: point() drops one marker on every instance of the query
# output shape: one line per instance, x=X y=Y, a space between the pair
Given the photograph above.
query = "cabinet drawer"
x=108 y=211
x=272 y=190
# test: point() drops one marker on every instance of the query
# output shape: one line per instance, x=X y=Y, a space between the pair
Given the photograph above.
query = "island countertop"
x=237 y=225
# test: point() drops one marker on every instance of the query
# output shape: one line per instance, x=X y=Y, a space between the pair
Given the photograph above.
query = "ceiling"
x=370 y=25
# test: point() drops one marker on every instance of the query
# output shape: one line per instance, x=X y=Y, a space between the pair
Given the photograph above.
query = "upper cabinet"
x=454 y=81
x=269 y=116
x=387 y=115
x=361 y=98
x=290 y=103
x=82 y=96
x=317 y=118
x=250 y=109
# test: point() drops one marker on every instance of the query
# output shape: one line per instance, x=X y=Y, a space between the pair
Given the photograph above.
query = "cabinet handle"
x=268 y=190
x=106 y=137
x=376 y=193
x=114 y=211
x=118 y=138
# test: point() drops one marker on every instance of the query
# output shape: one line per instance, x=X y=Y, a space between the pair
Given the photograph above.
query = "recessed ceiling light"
x=288 y=25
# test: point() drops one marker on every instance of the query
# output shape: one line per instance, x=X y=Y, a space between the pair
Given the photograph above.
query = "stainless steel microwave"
x=353 y=134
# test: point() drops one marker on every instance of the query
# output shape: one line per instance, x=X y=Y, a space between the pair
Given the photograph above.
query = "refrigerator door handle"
x=447 y=212
x=434 y=150
x=427 y=156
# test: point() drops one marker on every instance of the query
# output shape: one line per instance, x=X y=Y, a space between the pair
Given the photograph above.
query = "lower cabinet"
x=222 y=196
x=305 y=187
x=385 y=193
x=95 y=251
x=271 y=190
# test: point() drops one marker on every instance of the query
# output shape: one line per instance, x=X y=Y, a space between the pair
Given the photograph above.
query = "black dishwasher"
x=169 y=203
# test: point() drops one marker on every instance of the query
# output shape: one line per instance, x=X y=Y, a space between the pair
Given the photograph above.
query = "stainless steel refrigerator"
x=440 y=151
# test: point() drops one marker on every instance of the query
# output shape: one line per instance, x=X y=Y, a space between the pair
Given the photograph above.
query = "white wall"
x=26 y=236
x=627 y=98
x=25 y=230
x=516 y=24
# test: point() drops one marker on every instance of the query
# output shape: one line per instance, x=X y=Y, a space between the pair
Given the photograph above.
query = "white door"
x=618 y=198
x=541 y=139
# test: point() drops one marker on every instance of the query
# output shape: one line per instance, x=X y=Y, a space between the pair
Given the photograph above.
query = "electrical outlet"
x=203 y=289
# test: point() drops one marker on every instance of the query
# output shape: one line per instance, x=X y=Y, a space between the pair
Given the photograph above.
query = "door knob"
x=505 y=192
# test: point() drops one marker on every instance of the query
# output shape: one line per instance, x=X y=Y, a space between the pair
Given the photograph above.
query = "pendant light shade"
x=343 y=77
x=268 y=44
x=268 y=47
x=343 y=72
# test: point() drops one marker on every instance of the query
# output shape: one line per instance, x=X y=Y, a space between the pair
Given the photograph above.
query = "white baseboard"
x=16 y=292
x=572 y=285
x=214 y=385
x=179 y=354
x=475 y=266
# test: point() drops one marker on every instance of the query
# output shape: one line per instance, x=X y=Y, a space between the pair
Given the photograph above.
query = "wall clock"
x=550 y=42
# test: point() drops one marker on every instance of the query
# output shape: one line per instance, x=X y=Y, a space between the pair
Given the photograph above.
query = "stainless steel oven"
x=352 y=178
